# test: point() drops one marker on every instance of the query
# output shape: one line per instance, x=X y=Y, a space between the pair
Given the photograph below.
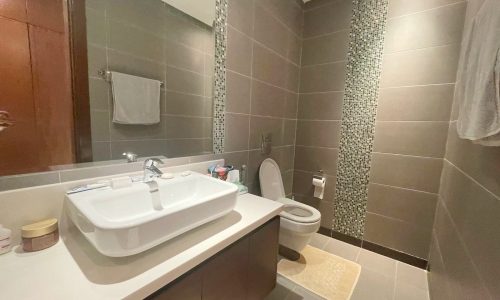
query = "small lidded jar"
x=40 y=235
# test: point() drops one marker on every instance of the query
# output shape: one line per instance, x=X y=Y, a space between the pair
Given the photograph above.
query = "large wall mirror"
x=86 y=81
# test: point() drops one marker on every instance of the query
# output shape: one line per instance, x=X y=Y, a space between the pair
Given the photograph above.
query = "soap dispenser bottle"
x=4 y=239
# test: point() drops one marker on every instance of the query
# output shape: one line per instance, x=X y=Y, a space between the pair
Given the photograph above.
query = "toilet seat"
x=298 y=212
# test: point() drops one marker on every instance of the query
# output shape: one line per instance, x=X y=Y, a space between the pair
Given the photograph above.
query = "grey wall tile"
x=267 y=125
x=269 y=67
x=96 y=27
x=137 y=132
x=411 y=138
x=187 y=127
x=440 y=26
x=99 y=90
x=321 y=106
x=241 y=15
x=420 y=103
x=410 y=172
x=185 y=81
x=404 y=7
x=188 y=147
x=327 y=19
x=318 y=133
x=151 y=148
x=479 y=162
x=463 y=278
x=398 y=235
x=100 y=121
x=125 y=63
x=237 y=131
x=269 y=31
x=101 y=151
x=239 y=52
x=178 y=55
x=291 y=105
x=268 y=100
x=302 y=185
x=130 y=39
x=409 y=206
x=313 y=159
x=326 y=48
x=185 y=30
x=147 y=15
x=437 y=277
x=238 y=93
x=96 y=59
x=323 y=78
x=289 y=13
x=474 y=213
x=420 y=67
x=187 y=105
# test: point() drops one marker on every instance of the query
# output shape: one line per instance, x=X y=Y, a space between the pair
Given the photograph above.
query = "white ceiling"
x=203 y=11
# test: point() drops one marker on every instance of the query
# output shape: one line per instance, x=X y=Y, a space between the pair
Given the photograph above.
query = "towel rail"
x=106 y=75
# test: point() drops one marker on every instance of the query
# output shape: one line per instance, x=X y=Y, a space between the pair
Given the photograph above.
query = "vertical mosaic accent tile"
x=220 y=29
x=359 y=109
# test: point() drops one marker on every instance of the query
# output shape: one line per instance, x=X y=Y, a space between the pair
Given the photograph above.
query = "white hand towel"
x=477 y=89
x=136 y=100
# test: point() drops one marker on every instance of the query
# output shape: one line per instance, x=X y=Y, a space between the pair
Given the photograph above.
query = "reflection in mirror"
x=169 y=41
x=102 y=78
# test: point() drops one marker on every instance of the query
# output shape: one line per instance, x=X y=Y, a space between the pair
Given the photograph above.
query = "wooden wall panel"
x=13 y=9
x=52 y=95
x=47 y=14
x=19 y=143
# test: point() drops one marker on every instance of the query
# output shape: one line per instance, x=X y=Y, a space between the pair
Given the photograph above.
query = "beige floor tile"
x=378 y=263
x=319 y=241
x=408 y=292
x=342 y=249
x=373 y=285
x=412 y=275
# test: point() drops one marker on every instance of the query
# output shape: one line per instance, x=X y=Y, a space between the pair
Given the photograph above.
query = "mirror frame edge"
x=77 y=33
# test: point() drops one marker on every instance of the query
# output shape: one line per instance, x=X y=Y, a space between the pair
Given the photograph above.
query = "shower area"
x=376 y=115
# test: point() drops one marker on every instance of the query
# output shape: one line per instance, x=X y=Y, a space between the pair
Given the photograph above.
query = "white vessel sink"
x=130 y=220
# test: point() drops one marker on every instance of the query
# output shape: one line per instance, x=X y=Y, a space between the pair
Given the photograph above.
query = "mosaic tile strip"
x=220 y=29
x=359 y=109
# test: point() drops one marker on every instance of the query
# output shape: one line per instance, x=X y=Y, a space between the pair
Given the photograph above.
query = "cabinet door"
x=225 y=275
x=263 y=260
x=187 y=287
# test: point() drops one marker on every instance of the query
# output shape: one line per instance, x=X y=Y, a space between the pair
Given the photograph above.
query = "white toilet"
x=298 y=221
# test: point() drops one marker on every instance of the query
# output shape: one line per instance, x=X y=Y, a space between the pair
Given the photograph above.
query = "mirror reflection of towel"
x=477 y=89
x=136 y=100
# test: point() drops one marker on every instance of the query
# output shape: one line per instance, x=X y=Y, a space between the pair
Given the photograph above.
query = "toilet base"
x=294 y=240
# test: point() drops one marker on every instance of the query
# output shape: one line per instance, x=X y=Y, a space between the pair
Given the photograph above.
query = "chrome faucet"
x=151 y=170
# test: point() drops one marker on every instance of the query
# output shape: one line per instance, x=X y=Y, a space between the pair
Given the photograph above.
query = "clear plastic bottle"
x=4 y=239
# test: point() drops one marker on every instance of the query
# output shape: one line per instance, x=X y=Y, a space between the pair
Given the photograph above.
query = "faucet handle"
x=152 y=162
x=131 y=156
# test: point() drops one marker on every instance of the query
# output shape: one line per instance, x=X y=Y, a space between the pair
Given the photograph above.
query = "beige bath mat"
x=322 y=273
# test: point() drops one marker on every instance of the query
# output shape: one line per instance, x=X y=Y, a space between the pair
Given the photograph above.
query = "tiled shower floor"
x=381 y=278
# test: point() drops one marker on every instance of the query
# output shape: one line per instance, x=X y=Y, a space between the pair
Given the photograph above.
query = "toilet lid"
x=299 y=212
x=271 y=184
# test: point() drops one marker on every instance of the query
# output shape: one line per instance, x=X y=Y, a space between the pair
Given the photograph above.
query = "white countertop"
x=73 y=269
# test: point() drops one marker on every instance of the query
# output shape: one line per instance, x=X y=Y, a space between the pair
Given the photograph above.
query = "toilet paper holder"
x=319 y=175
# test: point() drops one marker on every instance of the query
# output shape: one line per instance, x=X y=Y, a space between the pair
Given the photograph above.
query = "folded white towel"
x=136 y=100
x=478 y=80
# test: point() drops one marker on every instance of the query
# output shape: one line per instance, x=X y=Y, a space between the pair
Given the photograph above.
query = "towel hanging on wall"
x=477 y=90
x=136 y=100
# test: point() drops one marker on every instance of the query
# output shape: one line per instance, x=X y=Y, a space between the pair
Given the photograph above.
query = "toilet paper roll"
x=319 y=182
x=319 y=187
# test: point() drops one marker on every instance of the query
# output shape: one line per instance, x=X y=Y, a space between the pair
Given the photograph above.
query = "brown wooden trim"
x=79 y=80
x=382 y=250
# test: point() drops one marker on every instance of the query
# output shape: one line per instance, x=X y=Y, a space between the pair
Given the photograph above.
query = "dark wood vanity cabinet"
x=244 y=270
